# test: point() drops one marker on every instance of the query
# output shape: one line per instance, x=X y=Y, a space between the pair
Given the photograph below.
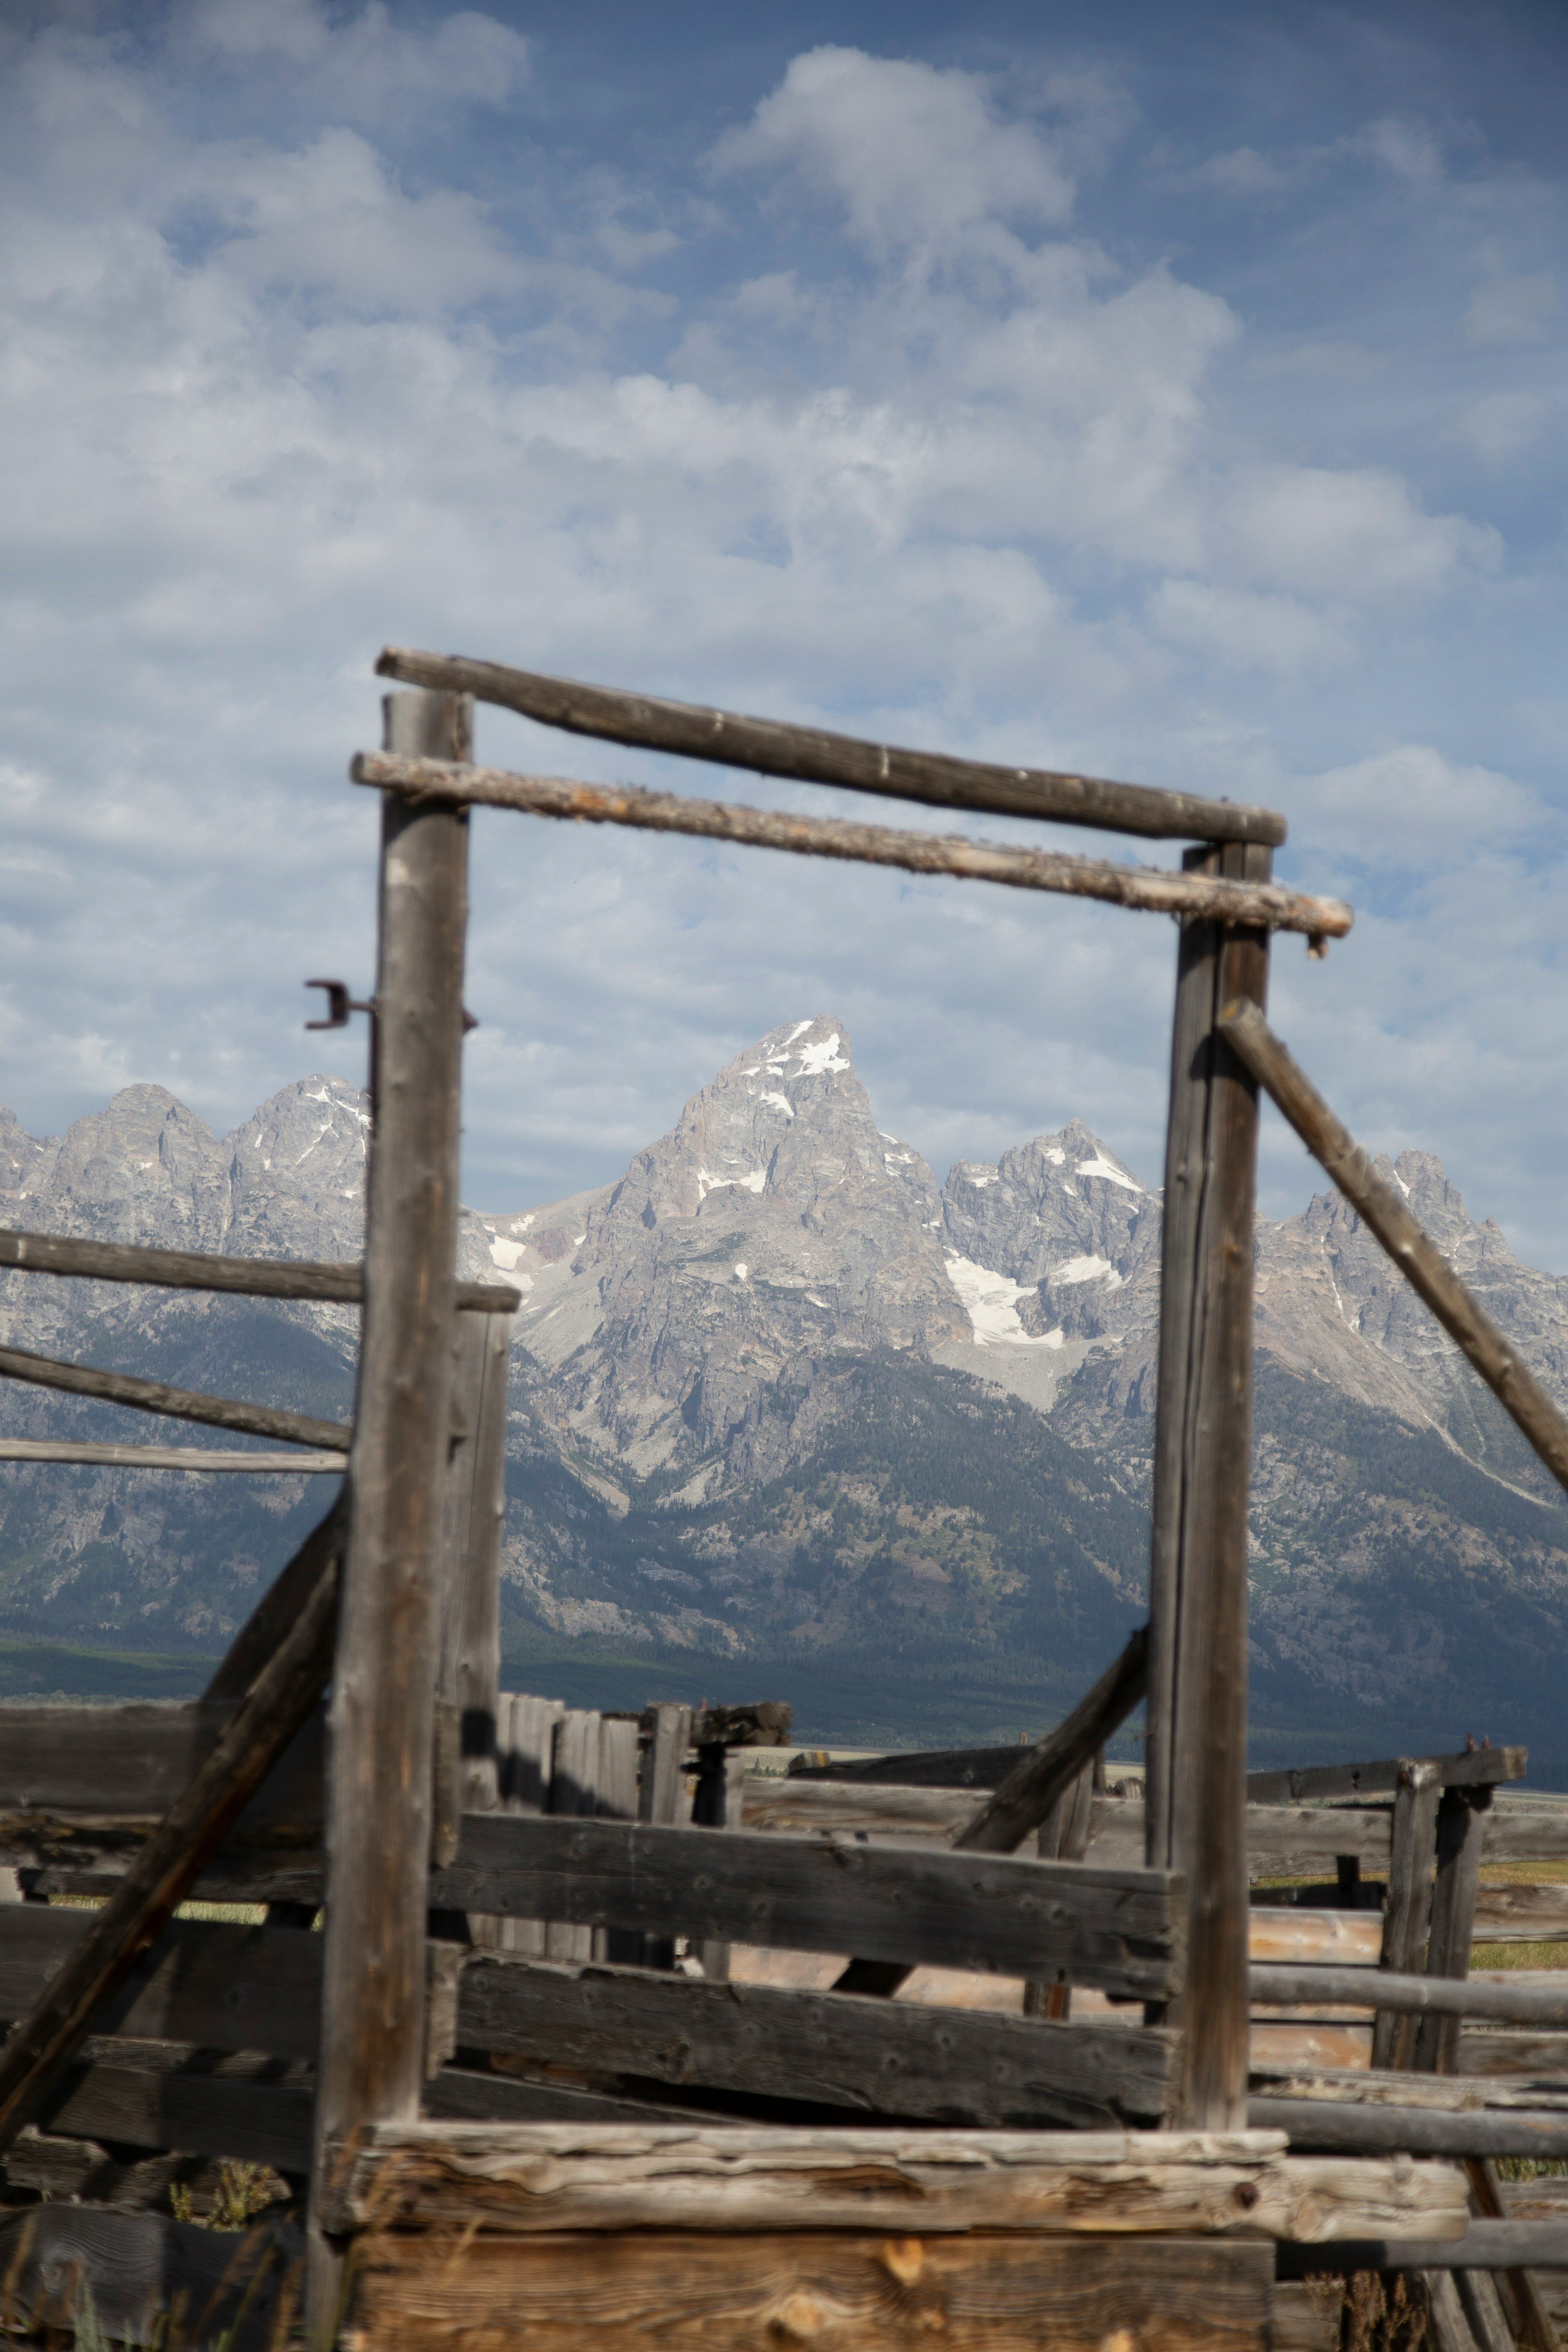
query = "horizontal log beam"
x=329 y=1281
x=171 y=1457
x=987 y=1767
x=220 y=1987
x=1485 y=2246
x=1420 y=2131
x=539 y=2180
x=176 y=1405
x=942 y=2066
x=1266 y=906
x=1121 y=1930
x=1387 y=1215
x=1437 y=1996
x=772 y=748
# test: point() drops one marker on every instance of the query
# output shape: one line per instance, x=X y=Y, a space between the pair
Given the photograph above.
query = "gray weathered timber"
x=221 y=1986
x=1470 y=1768
x=772 y=748
x=948 y=2067
x=1375 y=2130
x=185 y=2113
x=231 y=2287
x=1485 y=2245
x=171 y=1457
x=384 y=1687
x=1414 y=1252
x=470 y=1677
x=1531 y=2003
x=661 y=1795
x=1461 y=1826
x=133 y=1761
x=1197 y=1690
x=176 y=1405
x=1035 y=1785
x=1520 y=1914
x=543 y=2180
x=1523 y=1833
x=526 y=1764
x=1408 y=1910
x=277 y=1704
x=717 y=2292
x=1282 y=1841
x=249 y=1277
x=987 y=1767
x=1542 y=2057
x=1118 y=1928
x=464 y=2094
x=1147 y=889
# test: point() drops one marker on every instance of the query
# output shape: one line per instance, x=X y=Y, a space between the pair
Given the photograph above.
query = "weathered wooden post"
x=383 y=1684
x=1197 y=1681
x=471 y=1539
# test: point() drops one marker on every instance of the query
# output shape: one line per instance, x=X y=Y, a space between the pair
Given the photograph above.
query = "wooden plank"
x=1460 y=1822
x=1421 y=2131
x=1151 y=889
x=1439 y=2094
x=525 y=1766
x=383 y=1690
x=280 y=1698
x=947 y=2066
x=1282 y=1841
x=747 y=2178
x=1196 y=1752
x=470 y=1674
x=774 y=748
x=1408 y=1911
x=574 y=1796
x=195 y=1458
x=661 y=1795
x=987 y=1767
x=1431 y=1996
x=1525 y=1833
x=701 y=2293
x=1537 y=2056
x=1387 y=1215
x=1118 y=1929
x=784 y=1805
x=143 y=2272
x=250 y=1277
x=178 y=1405
x=1469 y=1768
x=1492 y=2245
x=187 y=2114
x=1351 y=1939
x=465 y=2095
x=222 y=1986
x=1520 y=1914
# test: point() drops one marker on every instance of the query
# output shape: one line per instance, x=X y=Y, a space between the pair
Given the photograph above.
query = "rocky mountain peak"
x=296 y=1170
x=144 y=1170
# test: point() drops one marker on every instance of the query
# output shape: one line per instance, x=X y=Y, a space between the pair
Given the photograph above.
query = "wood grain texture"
x=1145 y=889
x=221 y=1986
x=384 y=1688
x=774 y=748
x=475 y=1509
x=1520 y=1914
x=248 y=1277
x=1197 y=1817
x=1408 y=1911
x=1524 y=2004
x=1519 y=1833
x=1283 y=1841
x=987 y=1767
x=1350 y=1939
x=187 y=2112
x=1387 y=1214
x=947 y=2066
x=279 y=1702
x=843 y=2293
x=531 y=2178
x=1118 y=1929
x=1461 y=1826
x=144 y=2271
x=195 y=1458
x=177 y=1404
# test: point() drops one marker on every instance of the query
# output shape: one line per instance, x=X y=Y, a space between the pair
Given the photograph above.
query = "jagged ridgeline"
x=785 y=1413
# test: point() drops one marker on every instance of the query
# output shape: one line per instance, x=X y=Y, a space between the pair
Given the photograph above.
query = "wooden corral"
x=604 y=2040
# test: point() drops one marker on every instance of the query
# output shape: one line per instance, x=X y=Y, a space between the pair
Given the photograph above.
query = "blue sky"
x=1179 y=396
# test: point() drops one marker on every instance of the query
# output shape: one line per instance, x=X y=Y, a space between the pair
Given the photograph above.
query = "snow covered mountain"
x=778 y=1397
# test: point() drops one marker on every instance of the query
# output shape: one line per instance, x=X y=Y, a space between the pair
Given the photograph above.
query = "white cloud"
x=1246 y=630
x=1411 y=805
x=1511 y=309
x=1497 y=427
x=1352 y=534
x=364 y=68
x=916 y=155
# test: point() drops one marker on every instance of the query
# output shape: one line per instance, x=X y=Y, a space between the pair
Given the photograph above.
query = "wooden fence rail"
x=249 y=1277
